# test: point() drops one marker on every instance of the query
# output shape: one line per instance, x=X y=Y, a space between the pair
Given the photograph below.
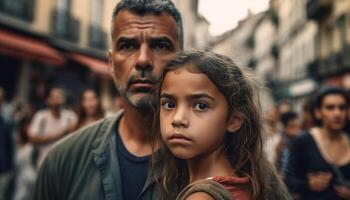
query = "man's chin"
x=141 y=101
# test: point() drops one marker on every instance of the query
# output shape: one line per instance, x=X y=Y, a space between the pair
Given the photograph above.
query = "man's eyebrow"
x=126 y=39
x=162 y=39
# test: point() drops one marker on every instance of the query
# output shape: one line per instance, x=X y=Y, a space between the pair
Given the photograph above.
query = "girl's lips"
x=179 y=137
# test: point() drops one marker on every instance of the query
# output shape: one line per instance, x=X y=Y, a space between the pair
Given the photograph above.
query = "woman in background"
x=90 y=108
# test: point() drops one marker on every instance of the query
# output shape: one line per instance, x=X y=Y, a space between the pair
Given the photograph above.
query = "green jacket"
x=85 y=166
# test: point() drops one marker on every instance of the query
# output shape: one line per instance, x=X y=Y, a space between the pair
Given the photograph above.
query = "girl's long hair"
x=243 y=148
x=82 y=115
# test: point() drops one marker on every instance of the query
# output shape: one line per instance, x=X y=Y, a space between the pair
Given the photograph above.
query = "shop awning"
x=96 y=65
x=13 y=44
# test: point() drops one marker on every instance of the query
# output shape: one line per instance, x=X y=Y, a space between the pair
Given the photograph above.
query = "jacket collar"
x=106 y=158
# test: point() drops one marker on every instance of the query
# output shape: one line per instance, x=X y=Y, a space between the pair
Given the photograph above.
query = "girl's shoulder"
x=207 y=186
x=239 y=187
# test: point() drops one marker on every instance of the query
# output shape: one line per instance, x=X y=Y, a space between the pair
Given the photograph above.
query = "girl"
x=211 y=128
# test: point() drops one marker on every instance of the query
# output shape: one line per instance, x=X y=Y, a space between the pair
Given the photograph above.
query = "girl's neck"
x=206 y=166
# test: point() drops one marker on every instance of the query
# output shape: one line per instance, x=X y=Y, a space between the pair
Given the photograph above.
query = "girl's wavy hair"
x=243 y=148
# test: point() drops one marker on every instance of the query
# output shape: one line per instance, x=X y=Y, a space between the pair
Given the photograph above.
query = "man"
x=51 y=124
x=291 y=129
x=109 y=160
x=319 y=163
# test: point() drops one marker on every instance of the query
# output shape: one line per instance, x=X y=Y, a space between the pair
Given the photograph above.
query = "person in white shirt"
x=51 y=124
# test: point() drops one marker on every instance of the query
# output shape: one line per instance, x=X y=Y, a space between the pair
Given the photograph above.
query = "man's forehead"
x=128 y=21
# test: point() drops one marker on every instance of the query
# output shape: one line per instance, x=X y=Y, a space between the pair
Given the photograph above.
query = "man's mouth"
x=142 y=85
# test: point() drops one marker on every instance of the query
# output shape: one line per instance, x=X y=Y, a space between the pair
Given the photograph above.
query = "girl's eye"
x=201 y=106
x=168 y=105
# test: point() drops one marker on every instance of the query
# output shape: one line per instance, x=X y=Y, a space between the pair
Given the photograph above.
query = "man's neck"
x=133 y=132
x=55 y=112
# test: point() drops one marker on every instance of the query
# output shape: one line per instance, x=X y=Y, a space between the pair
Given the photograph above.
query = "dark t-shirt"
x=133 y=171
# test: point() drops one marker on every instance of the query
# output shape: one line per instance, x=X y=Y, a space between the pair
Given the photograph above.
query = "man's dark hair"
x=54 y=87
x=142 y=7
x=287 y=117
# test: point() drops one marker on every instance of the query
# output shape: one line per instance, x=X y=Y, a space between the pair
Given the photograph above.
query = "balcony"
x=23 y=10
x=335 y=63
x=64 y=26
x=97 y=37
x=319 y=9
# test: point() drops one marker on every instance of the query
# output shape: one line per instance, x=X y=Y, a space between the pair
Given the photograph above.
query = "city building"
x=333 y=41
x=296 y=45
x=65 y=42
x=53 y=42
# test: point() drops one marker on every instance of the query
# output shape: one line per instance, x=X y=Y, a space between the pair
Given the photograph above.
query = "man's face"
x=293 y=128
x=55 y=99
x=142 y=45
x=333 y=112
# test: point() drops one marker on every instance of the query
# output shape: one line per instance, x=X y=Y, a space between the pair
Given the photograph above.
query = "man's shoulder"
x=80 y=144
x=42 y=112
x=68 y=112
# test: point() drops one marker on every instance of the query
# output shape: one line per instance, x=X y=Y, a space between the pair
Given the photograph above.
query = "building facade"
x=296 y=45
x=53 y=42
x=333 y=41
x=65 y=42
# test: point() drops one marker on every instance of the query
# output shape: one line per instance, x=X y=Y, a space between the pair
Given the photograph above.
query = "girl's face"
x=90 y=102
x=193 y=114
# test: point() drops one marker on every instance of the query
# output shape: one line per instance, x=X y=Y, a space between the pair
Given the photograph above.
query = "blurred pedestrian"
x=117 y=105
x=90 y=108
x=51 y=124
x=272 y=134
x=307 y=116
x=291 y=128
x=211 y=128
x=319 y=161
x=110 y=159
x=7 y=145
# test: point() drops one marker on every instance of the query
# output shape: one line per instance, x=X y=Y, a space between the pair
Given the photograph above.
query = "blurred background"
x=293 y=46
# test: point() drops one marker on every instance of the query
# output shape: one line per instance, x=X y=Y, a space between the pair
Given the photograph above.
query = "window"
x=96 y=12
x=21 y=9
x=62 y=4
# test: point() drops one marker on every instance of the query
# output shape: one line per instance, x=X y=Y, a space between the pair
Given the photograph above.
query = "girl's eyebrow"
x=165 y=95
x=192 y=96
x=201 y=95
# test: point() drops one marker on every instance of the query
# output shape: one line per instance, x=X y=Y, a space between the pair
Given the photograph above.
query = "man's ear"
x=234 y=123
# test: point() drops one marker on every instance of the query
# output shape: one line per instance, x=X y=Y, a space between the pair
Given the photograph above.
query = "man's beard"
x=144 y=104
x=55 y=108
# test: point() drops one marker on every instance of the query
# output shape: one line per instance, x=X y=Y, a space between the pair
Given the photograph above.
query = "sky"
x=224 y=15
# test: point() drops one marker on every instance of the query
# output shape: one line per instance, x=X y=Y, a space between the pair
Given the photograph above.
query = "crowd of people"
x=27 y=137
x=311 y=150
x=191 y=128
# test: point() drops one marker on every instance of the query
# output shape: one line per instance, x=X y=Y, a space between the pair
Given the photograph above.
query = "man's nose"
x=144 y=59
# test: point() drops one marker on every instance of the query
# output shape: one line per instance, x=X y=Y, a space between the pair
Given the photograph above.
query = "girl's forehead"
x=183 y=80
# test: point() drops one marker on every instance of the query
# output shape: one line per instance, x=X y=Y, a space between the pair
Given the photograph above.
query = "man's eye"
x=126 y=46
x=162 y=46
x=168 y=105
x=201 y=106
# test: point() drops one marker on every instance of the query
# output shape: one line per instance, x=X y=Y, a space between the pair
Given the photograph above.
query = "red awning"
x=25 y=47
x=94 y=64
